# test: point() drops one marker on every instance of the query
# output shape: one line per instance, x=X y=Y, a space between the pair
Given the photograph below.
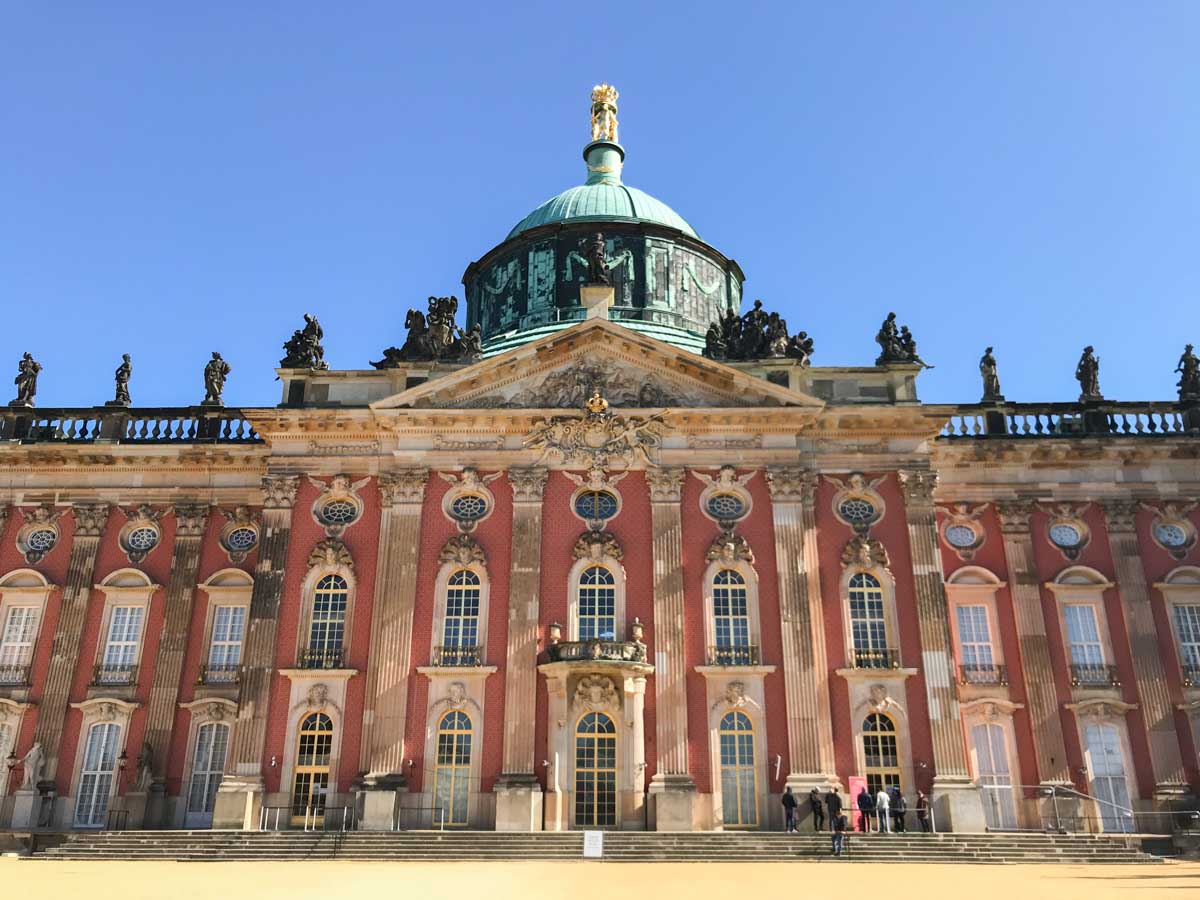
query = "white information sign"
x=593 y=844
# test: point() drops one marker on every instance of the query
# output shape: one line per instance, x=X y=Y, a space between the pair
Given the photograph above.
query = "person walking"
x=866 y=809
x=899 y=808
x=789 y=809
x=882 y=803
x=833 y=803
x=818 y=809
x=838 y=824
x=923 y=811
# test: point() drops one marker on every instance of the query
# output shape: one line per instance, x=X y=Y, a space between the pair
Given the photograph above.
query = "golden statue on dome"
x=604 y=113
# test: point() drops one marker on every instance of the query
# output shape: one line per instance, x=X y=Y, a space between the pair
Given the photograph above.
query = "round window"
x=42 y=540
x=1170 y=535
x=241 y=539
x=726 y=506
x=339 y=512
x=1065 y=535
x=143 y=538
x=596 y=505
x=857 y=511
x=468 y=507
x=961 y=536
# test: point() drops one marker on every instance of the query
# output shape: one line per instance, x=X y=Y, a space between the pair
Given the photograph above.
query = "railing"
x=457 y=656
x=1191 y=674
x=166 y=425
x=1090 y=675
x=575 y=651
x=14 y=676
x=733 y=656
x=268 y=817
x=419 y=817
x=107 y=674
x=1113 y=817
x=980 y=674
x=1034 y=420
x=876 y=659
x=320 y=659
x=219 y=674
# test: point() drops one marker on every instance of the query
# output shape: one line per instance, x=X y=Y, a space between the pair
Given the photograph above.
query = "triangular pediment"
x=631 y=371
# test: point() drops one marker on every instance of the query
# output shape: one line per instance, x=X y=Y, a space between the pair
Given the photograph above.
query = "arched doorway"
x=310 y=786
x=452 y=776
x=208 y=766
x=739 y=793
x=881 y=756
x=595 y=772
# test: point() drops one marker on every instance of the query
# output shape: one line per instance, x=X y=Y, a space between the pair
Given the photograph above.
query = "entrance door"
x=208 y=765
x=311 y=784
x=595 y=772
x=739 y=797
x=452 y=777
x=991 y=765
x=96 y=777
x=1106 y=762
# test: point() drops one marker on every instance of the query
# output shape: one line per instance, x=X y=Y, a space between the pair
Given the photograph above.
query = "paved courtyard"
x=585 y=880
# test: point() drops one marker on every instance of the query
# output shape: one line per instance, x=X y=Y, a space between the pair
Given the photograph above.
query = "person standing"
x=833 y=803
x=838 y=824
x=923 y=811
x=882 y=803
x=899 y=808
x=866 y=809
x=789 y=809
x=818 y=809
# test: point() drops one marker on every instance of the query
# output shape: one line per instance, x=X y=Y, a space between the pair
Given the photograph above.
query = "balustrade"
x=618 y=651
x=746 y=655
x=1032 y=420
x=981 y=674
x=174 y=425
x=1094 y=675
x=457 y=656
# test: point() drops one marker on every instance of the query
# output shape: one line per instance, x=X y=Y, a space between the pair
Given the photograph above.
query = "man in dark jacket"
x=833 y=803
x=838 y=824
x=899 y=808
x=866 y=809
x=789 y=809
x=818 y=809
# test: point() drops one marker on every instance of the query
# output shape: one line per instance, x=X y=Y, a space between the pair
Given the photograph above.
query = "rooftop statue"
x=1087 y=373
x=1189 y=375
x=604 y=113
x=756 y=335
x=121 y=376
x=991 y=380
x=303 y=350
x=26 y=380
x=215 y=374
x=897 y=345
x=434 y=337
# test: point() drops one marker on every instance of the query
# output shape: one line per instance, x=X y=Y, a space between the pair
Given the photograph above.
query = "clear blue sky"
x=178 y=178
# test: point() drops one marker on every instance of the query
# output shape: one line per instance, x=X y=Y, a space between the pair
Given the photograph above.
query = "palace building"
x=612 y=554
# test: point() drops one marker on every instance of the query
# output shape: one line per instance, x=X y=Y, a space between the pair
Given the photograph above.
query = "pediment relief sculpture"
x=571 y=386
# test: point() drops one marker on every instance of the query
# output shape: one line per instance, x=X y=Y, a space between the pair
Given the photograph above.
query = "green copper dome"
x=603 y=198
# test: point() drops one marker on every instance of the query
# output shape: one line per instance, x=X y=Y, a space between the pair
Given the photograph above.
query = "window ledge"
x=228 y=691
x=112 y=692
x=874 y=674
x=318 y=674
x=459 y=671
x=17 y=693
x=716 y=671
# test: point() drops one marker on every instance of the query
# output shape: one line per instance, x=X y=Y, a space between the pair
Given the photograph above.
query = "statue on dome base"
x=434 y=337
x=756 y=335
x=604 y=113
x=26 y=380
x=596 y=254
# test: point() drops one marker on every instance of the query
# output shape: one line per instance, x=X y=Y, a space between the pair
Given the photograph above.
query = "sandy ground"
x=585 y=880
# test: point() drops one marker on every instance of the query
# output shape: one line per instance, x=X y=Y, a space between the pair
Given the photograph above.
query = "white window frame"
x=618 y=573
x=1086 y=715
x=887 y=586
x=24 y=588
x=1181 y=587
x=750 y=579
x=125 y=588
x=441 y=596
x=308 y=592
x=205 y=711
x=1083 y=586
x=99 y=711
x=998 y=712
x=227 y=588
x=975 y=586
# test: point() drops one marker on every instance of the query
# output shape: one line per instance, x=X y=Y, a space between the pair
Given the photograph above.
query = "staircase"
x=430 y=846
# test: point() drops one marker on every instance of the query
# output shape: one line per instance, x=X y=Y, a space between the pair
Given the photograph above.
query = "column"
x=385 y=706
x=672 y=788
x=956 y=797
x=1149 y=673
x=805 y=662
x=518 y=793
x=239 y=798
x=190 y=520
x=1041 y=695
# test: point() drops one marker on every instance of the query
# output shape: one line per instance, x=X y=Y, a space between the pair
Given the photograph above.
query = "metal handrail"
x=309 y=658
x=883 y=658
x=453 y=656
x=14 y=676
x=106 y=675
x=1054 y=790
x=727 y=655
x=226 y=674
x=1094 y=675
x=976 y=673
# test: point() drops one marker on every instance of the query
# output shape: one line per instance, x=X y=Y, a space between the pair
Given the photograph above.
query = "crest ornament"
x=595 y=692
x=598 y=438
x=864 y=552
x=597 y=546
x=729 y=548
x=463 y=550
x=735 y=694
x=331 y=553
x=318 y=695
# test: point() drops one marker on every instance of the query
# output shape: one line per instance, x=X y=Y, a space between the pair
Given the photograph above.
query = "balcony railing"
x=219 y=674
x=14 y=676
x=1036 y=420
x=981 y=674
x=576 y=651
x=1191 y=674
x=733 y=656
x=320 y=659
x=457 y=656
x=168 y=425
x=1093 y=675
x=876 y=659
x=114 y=674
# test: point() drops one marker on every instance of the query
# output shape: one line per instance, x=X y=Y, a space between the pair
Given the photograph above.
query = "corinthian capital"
x=666 y=485
x=1014 y=514
x=190 y=519
x=528 y=484
x=403 y=486
x=90 y=519
x=791 y=483
x=1120 y=515
x=918 y=486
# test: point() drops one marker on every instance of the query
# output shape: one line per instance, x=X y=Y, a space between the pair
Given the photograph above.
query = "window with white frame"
x=731 y=619
x=597 y=615
x=868 y=623
x=1083 y=635
x=1106 y=765
x=208 y=766
x=225 y=648
x=327 y=625
x=975 y=643
x=994 y=774
x=1187 y=629
x=16 y=643
x=460 y=627
x=121 y=646
x=97 y=775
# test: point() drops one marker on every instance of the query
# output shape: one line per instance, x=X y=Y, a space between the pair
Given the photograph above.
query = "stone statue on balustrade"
x=26 y=380
x=897 y=344
x=1087 y=373
x=215 y=374
x=303 y=350
x=991 y=380
x=434 y=337
x=756 y=335
x=1189 y=375
x=121 y=376
x=596 y=253
x=33 y=764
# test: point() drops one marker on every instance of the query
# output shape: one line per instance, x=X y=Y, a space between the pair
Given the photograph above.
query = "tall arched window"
x=595 y=771
x=881 y=758
x=327 y=628
x=311 y=783
x=868 y=623
x=739 y=795
x=994 y=774
x=731 y=619
x=1106 y=765
x=597 y=604
x=208 y=765
x=460 y=633
x=452 y=779
x=96 y=776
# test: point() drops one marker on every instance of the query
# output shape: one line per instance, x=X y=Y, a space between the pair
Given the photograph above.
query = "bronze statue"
x=1087 y=373
x=888 y=339
x=801 y=347
x=26 y=380
x=596 y=254
x=215 y=374
x=470 y=344
x=433 y=337
x=908 y=345
x=122 y=376
x=303 y=350
x=991 y=380
x=756 y=335
x=1189 y=375
x=754 y=332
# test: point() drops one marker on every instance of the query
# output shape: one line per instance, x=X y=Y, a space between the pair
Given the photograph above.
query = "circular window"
x=726 y=506
x=241 y=539
x=596 y=505
x=1065 y=535
x=339 y=512
x=468 y=507
x=961 y=536
x=857 y=511
x=42 y=540
x=143 y=538
x=1168 y=534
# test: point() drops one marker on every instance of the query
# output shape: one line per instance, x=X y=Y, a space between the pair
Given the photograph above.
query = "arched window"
x=731 y=619
x=739 y=795
x=311 y=784
x=460 y=633
x=1106 y=765
x=97 y=775
x=452 y=780
x=595 y=771
x=881 y=757
x=208 y=765
x=597 y=604
x=994 y=774
x=327 y=628
x=868 y=623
